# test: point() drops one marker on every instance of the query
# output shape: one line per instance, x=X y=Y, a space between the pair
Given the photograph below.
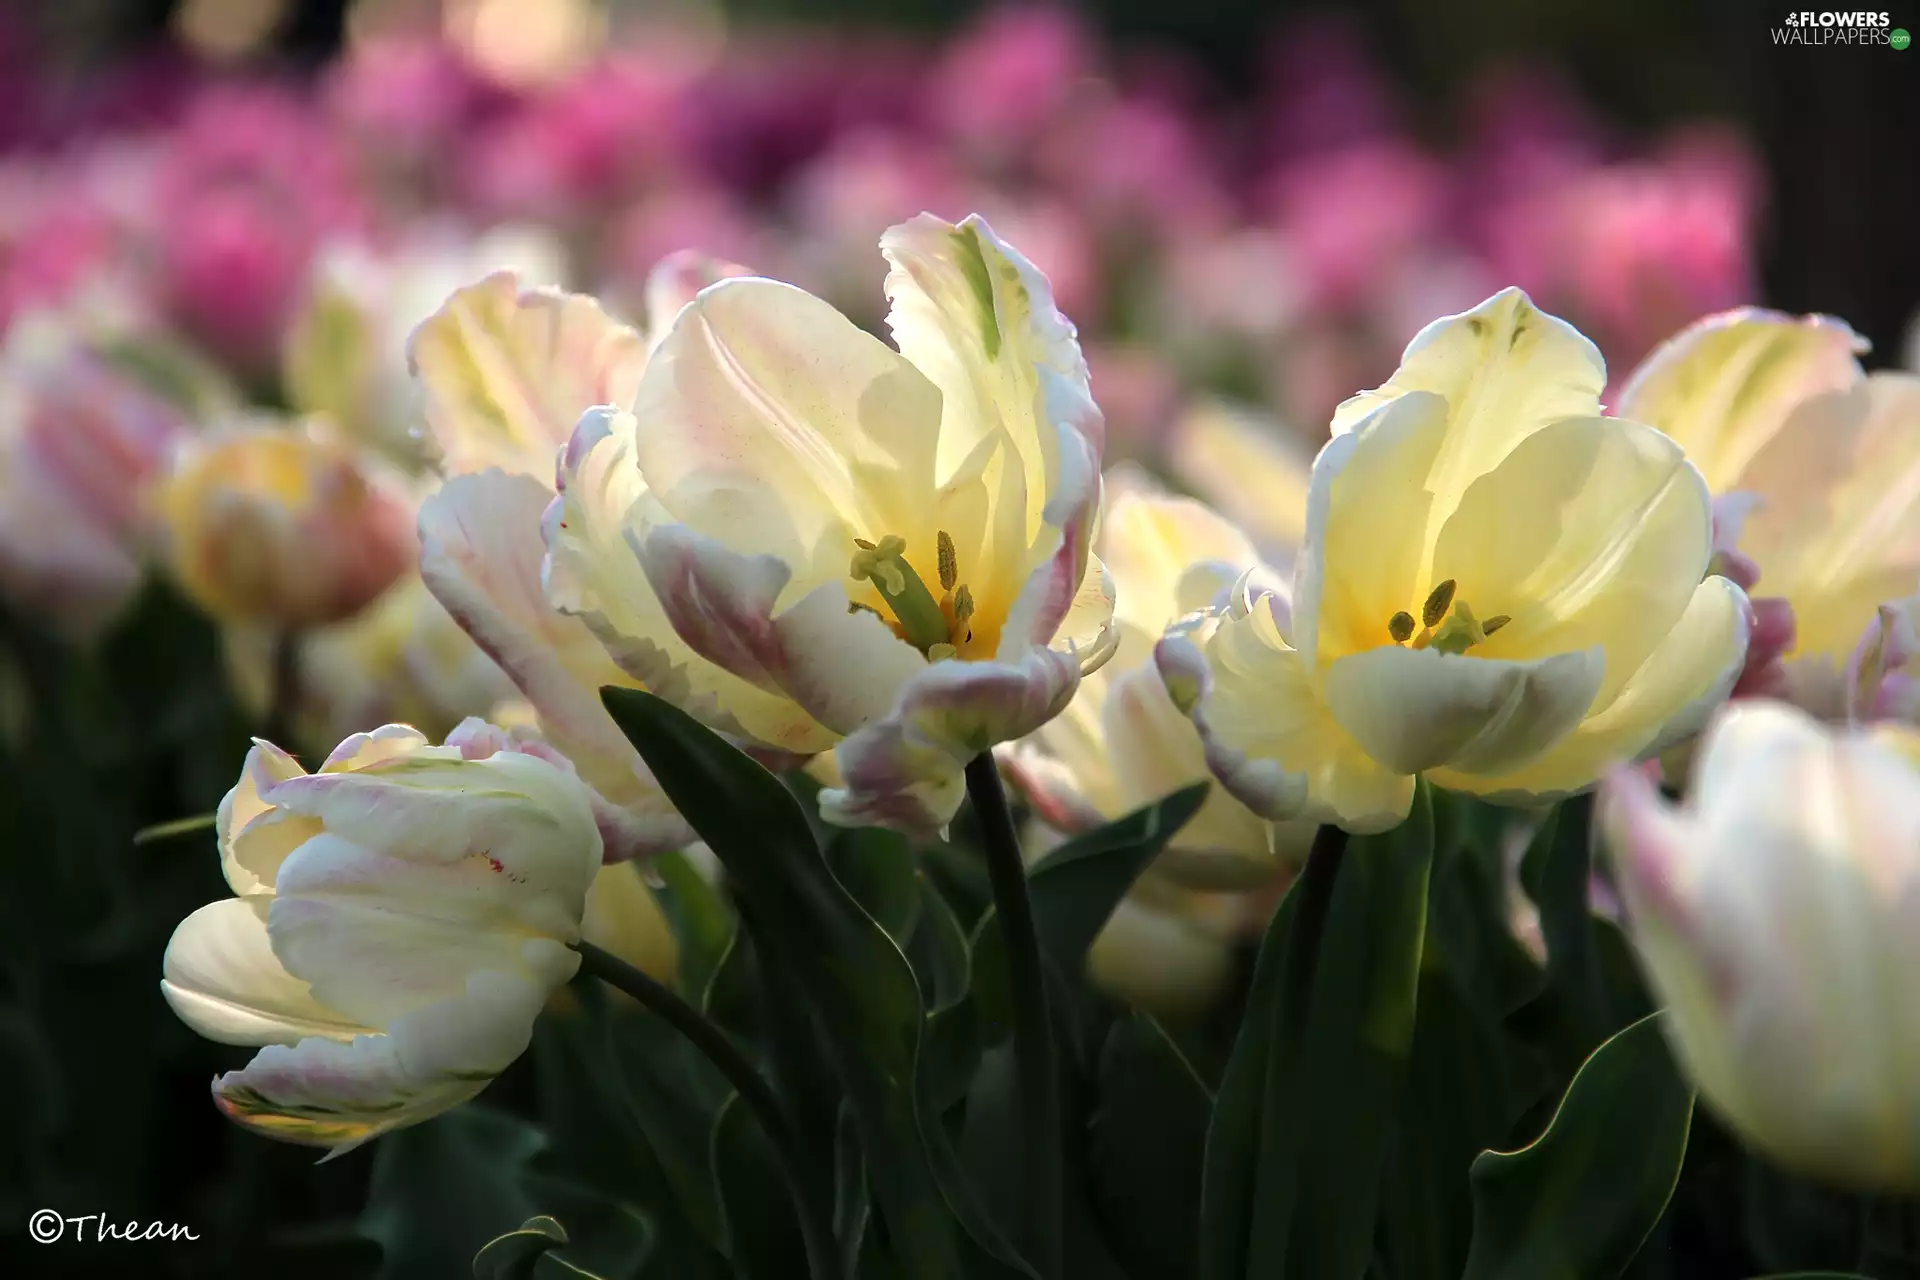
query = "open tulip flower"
x=1499 y=588
x=401 y=917
x=1774 y=913
x=1815 y=466
x=812 y=540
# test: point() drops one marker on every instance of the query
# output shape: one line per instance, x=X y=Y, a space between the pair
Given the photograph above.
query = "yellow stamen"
x=920 y=620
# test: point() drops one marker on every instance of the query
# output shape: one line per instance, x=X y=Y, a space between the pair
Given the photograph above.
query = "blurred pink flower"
x=1138 y=162
x=1138 y=392
x=1329 y=93
x=1634 y=250
x=1350 y=216
x=699 y=217
x=1001 y=81
x=403 y=98
x=80 y=445
x=246 y=189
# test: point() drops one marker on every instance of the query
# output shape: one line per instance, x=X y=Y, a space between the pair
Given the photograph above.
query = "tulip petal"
x=1591 y=532
x=244 y=809
x=774 y=424
x=1506 y=369
x=507 y=372
x=594 y=572
x=1172 y=555
x=1667 y=699
x=329 y=1094
x=1725 y=385
x=1420 y=709
x=906 y=770
x=1256 y=472
x=481 y=556
x=377 y=936
x=1837 y=528
x=1155 y=749
x=513 y=818
x=1269 y=737
x=979 y=320
x=842 y=666
x=1368 y=512
x=222 y=979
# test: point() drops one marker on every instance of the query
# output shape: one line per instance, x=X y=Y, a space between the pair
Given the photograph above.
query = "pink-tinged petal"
x=1050 y=787
x=1874 y=679
x=1648 y=842
x=676 y=280
x=481 y=557
x=907 y=771
x=841 y=666
x=339 y=1095
x=507 y=372
x=1770 y=637
x=1262 y=785
x=594 y=573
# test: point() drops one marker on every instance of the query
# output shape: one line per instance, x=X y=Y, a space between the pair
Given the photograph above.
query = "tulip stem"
x=815 y=1214
x=283 y=690
x=1034 y=1061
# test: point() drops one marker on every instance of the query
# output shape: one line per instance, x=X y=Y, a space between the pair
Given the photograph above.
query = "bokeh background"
x=245 y=204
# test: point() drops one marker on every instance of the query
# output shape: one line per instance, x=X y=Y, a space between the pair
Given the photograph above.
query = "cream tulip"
x=1499 y=589
x=1774 y=913
x=505 y=373
x=1815 y=465
x=401 y=917
x=813 y=540
x=344 y=354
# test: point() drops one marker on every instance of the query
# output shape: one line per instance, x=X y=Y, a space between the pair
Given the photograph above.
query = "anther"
x=1435 y=609
x=949 y=561
x=1400 y=627
x=1494 y=623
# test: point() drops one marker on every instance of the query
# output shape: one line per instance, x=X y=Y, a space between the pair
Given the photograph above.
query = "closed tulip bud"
x=1775 y=915
x=273 y=526
x=402 y=915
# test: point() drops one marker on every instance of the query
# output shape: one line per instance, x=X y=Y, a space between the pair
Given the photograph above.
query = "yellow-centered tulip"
x=1499 y=589
x=1815 y=465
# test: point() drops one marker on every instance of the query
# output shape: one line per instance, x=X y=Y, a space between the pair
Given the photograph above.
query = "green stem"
x=283 y=692
x=1034 y=1061
x=1312 y=894
x=816 y=1218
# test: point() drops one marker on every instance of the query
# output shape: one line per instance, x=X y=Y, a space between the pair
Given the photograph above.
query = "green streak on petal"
x=973 y=265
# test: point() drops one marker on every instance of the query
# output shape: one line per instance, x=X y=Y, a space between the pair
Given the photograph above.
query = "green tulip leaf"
x=1146 y=1145
x=1075 y=889
x=1303 y=1117
x=757 y=1213
x=1578 y=1202
x=513 y=1255
x=859 y=985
